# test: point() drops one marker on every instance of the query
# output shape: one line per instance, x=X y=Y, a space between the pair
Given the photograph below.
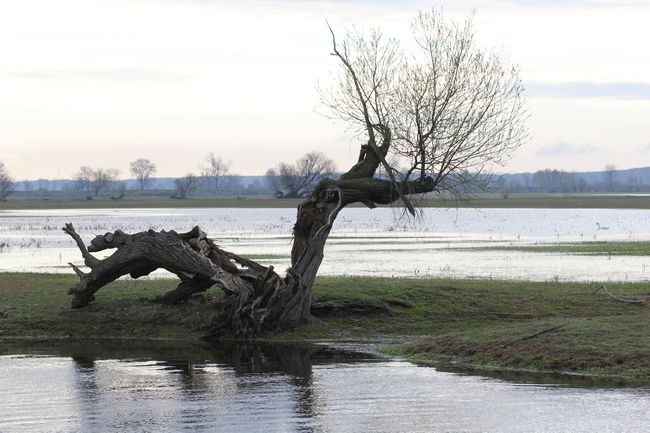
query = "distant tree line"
x=215 y=177
x=559 y=181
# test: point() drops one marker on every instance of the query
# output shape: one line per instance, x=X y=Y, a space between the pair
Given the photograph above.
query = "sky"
x=104 y=82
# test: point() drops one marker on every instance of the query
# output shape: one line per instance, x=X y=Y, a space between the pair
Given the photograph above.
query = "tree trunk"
x=256 y=298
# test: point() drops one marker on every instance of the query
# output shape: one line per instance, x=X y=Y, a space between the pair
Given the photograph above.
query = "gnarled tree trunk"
x=255 y=297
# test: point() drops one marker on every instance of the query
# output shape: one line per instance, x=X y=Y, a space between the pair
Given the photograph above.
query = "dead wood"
x=350 y=308
x=617 y=298
x=535 y=335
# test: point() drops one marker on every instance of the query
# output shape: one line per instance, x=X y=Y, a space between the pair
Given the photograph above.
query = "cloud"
x=583 y=3
x=94 y=74
x=565 y=149
x=586 y=89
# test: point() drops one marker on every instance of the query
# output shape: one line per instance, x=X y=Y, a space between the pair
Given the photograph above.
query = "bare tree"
x=7 y=183
x=93 y=182
x=185 y=186
x=610 y=174
x=116 y=186
x=273 y=182
x=215 y=170
x=301 y=177
x=377 y=85
x=101 y=180
x=83 y=181
x=143 y=170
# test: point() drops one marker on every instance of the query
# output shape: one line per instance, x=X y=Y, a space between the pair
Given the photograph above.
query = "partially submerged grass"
x=543 y=326
x=609 y=248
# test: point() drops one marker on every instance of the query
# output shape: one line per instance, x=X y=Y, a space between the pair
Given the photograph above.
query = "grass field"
x=547 y=326
x=551 y=201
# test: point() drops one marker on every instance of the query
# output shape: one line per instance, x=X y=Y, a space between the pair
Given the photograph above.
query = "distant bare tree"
x=143 y=170
x=185 y=186
x=93 y=182
x=273 y=181
x=101 y=180
x=301 y=177
x=215 y=170
x=83 y=180
x=7 y=183
x=116 y=186
x=610 y=173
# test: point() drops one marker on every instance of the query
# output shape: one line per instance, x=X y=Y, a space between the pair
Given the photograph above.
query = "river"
x=121 y=386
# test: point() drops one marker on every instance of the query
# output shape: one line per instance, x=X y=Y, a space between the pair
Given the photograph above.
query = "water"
x=118 y=386
x=443 y=243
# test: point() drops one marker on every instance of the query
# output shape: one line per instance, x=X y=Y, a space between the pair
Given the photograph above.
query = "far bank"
x=543 y=201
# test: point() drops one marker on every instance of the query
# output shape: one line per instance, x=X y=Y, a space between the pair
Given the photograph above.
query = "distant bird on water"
x=599 y=227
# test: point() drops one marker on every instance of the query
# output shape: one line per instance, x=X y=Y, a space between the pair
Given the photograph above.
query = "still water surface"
x=442 y=243
x=114 y=386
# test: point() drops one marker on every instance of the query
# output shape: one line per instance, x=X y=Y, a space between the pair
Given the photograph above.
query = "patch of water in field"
x=125 y=387
x=443 y=243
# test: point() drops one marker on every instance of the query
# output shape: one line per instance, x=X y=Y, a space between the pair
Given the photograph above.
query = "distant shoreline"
x=544 y=201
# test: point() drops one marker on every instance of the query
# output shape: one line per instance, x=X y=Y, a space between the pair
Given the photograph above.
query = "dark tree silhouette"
x=7 y=183
x=143 y=170
x=300 y=178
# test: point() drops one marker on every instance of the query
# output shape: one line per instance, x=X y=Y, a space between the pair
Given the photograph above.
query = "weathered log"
x=255 y=297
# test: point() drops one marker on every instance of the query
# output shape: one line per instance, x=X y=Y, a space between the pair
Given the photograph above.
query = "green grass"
x=609 y=248
x=478 y=323
x=546 y=201
x=551 y=201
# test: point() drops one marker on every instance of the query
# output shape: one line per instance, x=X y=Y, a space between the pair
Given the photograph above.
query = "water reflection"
x=117 y=385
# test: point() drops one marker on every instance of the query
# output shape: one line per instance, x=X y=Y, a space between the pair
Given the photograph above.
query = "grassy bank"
x=545 y=326
x=551 y=201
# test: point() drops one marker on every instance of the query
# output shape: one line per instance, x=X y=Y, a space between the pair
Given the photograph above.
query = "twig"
x=617 y=298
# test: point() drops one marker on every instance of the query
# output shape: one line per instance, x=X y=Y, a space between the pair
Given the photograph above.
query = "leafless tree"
x=186 y=185
x=301 y=177
x=215 y=169
x=143 y=170
x=450 y=110
x=7 y=183
x=93 y=182
x=610 y=174
x=116 y=186
x=273 y=181
x=83 y=180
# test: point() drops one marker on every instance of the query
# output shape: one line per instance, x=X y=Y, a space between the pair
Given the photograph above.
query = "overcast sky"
x=103 y=82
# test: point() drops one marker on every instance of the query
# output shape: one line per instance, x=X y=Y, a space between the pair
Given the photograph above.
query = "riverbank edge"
x=479 y=325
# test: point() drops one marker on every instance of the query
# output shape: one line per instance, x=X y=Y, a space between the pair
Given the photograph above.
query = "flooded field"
x=121 y=386
x=442 y=243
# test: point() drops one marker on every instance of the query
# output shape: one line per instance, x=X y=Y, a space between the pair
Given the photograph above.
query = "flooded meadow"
x=454 y=243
